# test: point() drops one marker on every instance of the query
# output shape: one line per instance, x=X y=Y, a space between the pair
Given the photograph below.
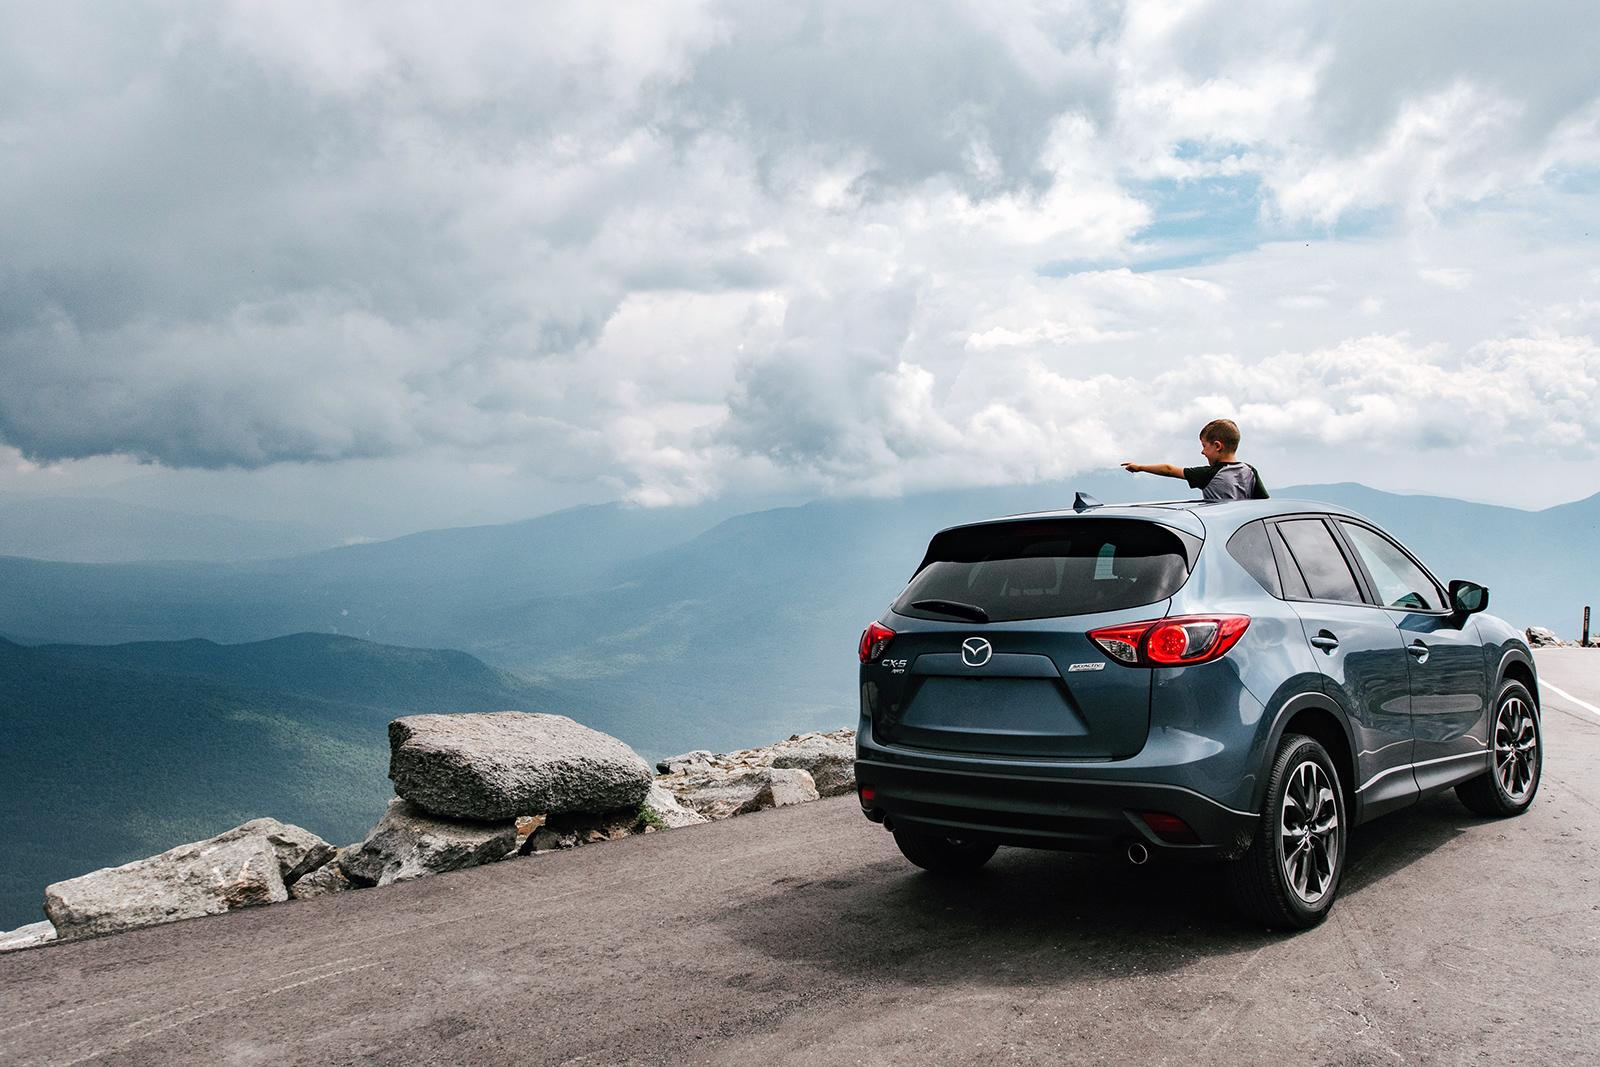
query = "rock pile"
x=1539 y=637
x=802 y=768
x=473 y=789
x=465 y=782
x=249 y=865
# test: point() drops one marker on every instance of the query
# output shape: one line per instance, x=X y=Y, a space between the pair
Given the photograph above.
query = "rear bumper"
x=1070 y=814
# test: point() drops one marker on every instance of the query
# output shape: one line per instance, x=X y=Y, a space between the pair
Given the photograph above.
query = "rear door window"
x=1250 y=547
x=1401 y=583
x=1040 y=569
x=1316 y=555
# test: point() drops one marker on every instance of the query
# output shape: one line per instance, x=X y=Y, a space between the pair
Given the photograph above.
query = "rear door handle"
x=1419 y=650
x=1325 y=641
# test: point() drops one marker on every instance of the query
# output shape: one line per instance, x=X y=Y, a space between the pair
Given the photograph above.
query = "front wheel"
x=943 y=855
x=1291 y=873
x=1508 y=786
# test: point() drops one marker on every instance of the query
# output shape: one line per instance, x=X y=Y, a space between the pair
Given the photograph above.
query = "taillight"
x=1180 y=641
x=1194 y=638
x=1121 y=643
x=874 y=640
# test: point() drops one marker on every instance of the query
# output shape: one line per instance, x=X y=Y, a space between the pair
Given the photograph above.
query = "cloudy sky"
x=482 y=260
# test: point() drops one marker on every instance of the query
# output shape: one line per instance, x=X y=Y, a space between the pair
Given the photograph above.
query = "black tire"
x=944 y=855
x=1516 y=757
x=1291 y=874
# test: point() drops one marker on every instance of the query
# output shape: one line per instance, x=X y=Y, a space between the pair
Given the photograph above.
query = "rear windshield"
x=1044 y=569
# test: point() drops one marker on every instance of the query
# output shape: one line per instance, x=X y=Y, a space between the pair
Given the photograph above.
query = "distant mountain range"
x=686 y=628
x=673 y=628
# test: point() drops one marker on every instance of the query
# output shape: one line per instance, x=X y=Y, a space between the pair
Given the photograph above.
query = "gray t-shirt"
x=1226 y=481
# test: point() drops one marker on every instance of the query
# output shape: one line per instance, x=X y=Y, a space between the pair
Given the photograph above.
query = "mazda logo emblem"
x=975 y=651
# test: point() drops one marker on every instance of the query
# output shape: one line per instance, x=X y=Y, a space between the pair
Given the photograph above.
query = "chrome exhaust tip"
x=1137 y=853
x=888 y=823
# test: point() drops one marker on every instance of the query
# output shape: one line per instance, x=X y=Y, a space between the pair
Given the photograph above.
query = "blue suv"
x=1242 y=681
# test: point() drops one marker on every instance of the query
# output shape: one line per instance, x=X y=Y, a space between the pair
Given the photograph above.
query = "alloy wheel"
x=1516 y=748
x=1308 y=833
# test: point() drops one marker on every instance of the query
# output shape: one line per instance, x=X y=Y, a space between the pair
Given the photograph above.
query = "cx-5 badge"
x=975 y=651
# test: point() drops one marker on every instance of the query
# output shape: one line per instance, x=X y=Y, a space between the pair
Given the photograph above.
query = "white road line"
x=1564 y=695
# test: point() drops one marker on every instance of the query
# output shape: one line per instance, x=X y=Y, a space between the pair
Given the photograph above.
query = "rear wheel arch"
x=1316 y=716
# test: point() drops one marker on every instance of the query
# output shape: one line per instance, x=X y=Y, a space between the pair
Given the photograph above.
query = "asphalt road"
x=801 y=936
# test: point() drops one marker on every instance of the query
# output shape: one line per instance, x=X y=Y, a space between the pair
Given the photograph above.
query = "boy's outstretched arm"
x=1166 y=470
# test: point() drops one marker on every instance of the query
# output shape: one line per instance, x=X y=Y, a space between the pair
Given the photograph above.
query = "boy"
x=1224 y=478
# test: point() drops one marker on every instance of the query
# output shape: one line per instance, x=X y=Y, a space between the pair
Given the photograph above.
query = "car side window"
x=1401 y=583
x=1250 y=547
x=1294 y=586
x=1315 y=553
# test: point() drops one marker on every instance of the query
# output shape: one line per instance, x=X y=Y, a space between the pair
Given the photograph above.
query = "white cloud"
x=1439 y=152
x=684 y=248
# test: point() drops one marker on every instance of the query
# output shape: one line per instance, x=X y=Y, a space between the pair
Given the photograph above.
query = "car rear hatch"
x=1029 y=682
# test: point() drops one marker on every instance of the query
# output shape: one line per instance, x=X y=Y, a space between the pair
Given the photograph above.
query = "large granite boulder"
x=498 y=765
x=204 y=878
x=831 y=763
x=410 y=843
x=721 y=794
x=244 y=867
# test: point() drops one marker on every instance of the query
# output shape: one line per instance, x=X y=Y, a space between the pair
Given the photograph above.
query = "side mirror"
x=1467 y=598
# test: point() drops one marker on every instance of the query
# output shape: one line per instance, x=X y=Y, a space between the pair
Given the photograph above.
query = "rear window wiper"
x=971 y=612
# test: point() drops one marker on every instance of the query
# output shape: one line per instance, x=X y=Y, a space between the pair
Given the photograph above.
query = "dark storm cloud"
x=910 y=87
x=803 y=402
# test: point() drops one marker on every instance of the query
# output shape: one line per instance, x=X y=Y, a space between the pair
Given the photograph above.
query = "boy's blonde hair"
x=1224 y=432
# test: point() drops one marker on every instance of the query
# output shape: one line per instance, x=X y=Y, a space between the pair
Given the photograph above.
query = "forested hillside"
x=116 y=753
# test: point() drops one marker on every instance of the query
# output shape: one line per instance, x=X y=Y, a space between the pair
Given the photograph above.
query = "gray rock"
x=665 y=806
x=1539 y=637
x=322 y=881
x=545 y=839
x=719 y=795
x=27 y=936
x=831 y=764
x=203 y=878
x=789 y=786
x=410 y=843
x=299 y=851
x=502 y=764
x=698 y=759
